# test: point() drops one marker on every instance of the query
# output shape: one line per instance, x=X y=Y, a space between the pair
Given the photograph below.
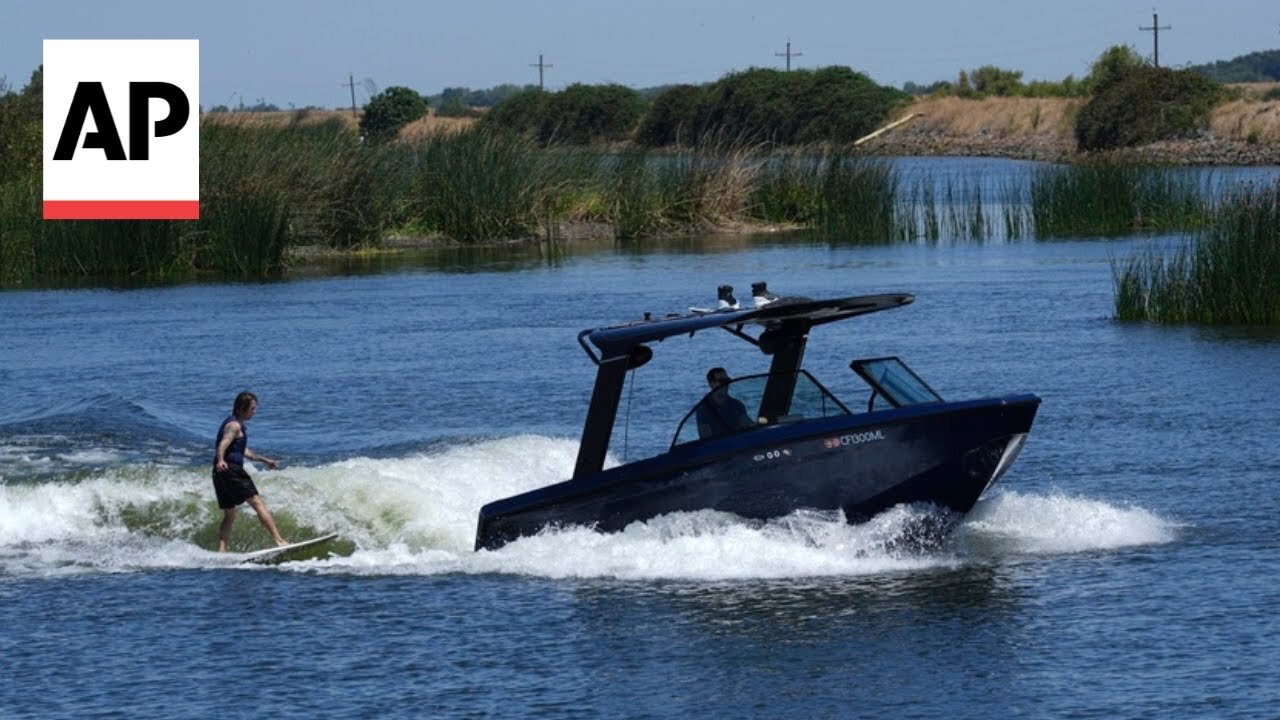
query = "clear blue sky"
x=300 y=52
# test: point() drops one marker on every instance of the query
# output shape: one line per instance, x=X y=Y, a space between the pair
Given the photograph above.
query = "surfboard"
x=285 y=552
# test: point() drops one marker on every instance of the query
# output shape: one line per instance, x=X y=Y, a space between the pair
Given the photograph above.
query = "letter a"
x=89 y=97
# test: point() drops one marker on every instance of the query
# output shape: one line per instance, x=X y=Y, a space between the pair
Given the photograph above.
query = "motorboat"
x=798 y=448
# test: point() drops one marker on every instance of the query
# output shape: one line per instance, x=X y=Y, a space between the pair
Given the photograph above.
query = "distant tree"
x=755 y=104
x=389 y=111
x=584 y=114
x=521 y=113
x=677 y=116
x=1261 y=66
x=1114 y=64
x=21 y=115
x=837 y=104
x=990 y=80
x=962 y=88
x=1145 y=104
x=930 y=89
x=833 y=104
x=454 y=106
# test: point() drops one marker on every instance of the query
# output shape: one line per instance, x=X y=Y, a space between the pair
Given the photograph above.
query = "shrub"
x=521 y=113
x=1144 y=105
x=990 y=80
x=1114 y=64
x=836 y=104
x=677 y=116
x=390 y=110
x=585 y=114
x=20 y=134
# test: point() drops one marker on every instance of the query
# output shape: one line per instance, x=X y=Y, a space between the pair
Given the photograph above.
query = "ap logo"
x=121 y=129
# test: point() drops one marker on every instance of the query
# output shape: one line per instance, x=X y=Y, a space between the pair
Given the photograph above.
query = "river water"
x=1125 y=566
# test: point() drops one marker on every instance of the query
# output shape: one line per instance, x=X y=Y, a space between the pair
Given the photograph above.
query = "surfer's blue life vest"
x=235 y=451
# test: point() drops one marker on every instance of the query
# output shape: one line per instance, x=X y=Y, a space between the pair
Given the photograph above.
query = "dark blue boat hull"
x=944 y=454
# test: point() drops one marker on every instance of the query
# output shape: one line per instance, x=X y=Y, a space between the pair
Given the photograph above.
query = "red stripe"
x=121 y=209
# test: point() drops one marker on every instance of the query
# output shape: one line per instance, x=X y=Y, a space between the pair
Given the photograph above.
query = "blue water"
x=1125 y=567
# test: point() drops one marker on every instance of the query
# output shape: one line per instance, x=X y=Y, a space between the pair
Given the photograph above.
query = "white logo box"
x=166 y=185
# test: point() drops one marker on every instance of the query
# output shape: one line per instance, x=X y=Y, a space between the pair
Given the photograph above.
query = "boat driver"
x=719 y=412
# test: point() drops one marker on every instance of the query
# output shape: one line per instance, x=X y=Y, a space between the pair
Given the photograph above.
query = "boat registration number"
x=853 y=439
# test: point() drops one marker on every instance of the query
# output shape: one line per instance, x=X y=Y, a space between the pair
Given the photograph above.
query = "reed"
x=20 y=231
x=636 y=202
x=243 y=235
x=31 y=248
x=477 y=185
x=335 y=189
x=696 y=189
x=788 y=188
x=1227 y=275
x=1111 y=198
x=857 y=201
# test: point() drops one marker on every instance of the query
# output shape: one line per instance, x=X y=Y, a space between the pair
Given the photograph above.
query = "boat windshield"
x=735 y=407
x=890 y=379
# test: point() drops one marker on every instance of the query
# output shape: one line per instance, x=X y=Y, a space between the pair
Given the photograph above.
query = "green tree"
x=21 y=115
x=1143 y=105
x=390 y=110
x=584 y=114
x=521 y=113
x=677 y=116
x=990 y=80
x=756 y=104
x=836 y=104
x=1113 y=65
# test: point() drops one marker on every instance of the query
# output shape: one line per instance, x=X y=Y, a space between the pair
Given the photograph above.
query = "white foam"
x=1061 y=523
x=417 y=515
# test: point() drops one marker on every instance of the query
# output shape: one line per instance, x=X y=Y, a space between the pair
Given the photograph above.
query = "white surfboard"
x=284 y=552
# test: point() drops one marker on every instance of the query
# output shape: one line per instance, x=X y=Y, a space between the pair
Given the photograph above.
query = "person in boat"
x=231 y=482
x=719 y=412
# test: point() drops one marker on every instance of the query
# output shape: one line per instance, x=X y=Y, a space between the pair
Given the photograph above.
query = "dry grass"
x=280 y=119
x=432 y=124
x=428 y=125
x=1248 y=121
x=999 y=117
x=1253 y=91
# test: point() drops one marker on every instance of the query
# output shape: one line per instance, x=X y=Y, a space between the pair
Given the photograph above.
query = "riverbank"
x=1241 y=132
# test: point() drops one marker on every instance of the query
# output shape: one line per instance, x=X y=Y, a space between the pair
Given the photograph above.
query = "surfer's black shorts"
x=233 y=486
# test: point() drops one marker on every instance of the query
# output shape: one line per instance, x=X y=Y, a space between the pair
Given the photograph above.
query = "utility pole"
x=1155 y=35
x=351 y=83
x=788 y=54
x=540 y=65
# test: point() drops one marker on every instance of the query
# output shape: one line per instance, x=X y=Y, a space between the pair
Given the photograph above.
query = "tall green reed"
x=32 y=248
x=857 y=202
x=479 y=185
x=1110 y=198
x=788 y=188
x=1229 y=274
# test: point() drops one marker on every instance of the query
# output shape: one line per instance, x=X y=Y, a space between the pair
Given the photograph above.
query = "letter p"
x=140 y=95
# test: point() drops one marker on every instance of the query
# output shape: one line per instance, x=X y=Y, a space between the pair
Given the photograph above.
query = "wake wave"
x=417 y=515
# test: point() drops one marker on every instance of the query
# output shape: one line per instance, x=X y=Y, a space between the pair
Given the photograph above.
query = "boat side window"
x=890 y=379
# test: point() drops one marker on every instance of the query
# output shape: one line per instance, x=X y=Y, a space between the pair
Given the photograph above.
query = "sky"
x=299 y=53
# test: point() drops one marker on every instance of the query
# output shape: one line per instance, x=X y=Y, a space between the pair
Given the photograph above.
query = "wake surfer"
x=231 y=483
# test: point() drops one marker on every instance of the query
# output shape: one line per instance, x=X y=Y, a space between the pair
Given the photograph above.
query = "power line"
x=1155 y=35
x=788 y=54
x=351 y=83
x=540 y=65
